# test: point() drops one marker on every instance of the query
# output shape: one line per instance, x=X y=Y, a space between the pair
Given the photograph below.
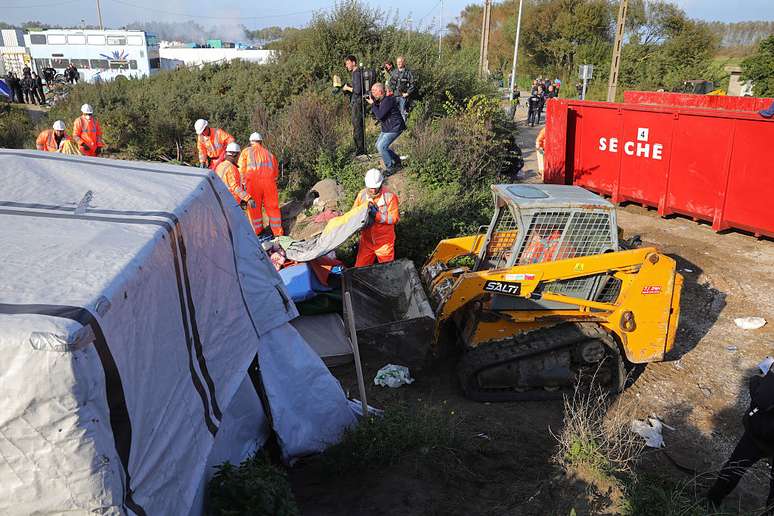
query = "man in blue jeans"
x=387 y=112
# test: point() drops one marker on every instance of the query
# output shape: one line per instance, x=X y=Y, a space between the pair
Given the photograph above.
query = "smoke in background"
x=190 y=31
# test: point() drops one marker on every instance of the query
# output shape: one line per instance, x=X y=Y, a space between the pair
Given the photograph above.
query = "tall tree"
x=759 y=68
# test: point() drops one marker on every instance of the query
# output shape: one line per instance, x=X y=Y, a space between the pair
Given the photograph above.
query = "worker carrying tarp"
x=52 y=140
x=335 y=233
x=211 y=144
x=377 y=241
x=87 y=132
x=259 y=170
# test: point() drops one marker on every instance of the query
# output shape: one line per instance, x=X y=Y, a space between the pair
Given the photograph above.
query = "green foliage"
x=426 y=431
x=438 y=213
x=16 y=131
x=666 y=48
x=255 y=487
x=759 y=68
x=651 y=495
x=469 y=147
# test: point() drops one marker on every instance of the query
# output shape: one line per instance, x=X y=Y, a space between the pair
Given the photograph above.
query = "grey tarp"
x=335 y=233
x=133 y=300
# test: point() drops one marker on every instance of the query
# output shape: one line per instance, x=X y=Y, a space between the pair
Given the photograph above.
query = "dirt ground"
x=506 y=468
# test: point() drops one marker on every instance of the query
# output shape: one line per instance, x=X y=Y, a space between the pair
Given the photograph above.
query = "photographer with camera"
x=356 y=90
x=385 y=109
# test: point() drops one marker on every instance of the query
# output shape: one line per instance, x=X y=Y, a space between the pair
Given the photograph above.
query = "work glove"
x=372 y=211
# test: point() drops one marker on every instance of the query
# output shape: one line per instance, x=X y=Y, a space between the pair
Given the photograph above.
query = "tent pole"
x=355 y=351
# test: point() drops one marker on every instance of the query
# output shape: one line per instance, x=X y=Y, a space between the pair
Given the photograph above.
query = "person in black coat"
x=16 y=90
x=533 y=106
x=756 y=443
x=28 y=86
x=38 y=82
x=387 y=111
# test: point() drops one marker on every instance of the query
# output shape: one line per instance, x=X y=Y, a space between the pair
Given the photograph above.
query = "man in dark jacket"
x=39 y=88
x=356 y=91
x=386 y=110
x=28 y=85
x=15 y=85
x=403 y=85
x=756 y=443
x=533 y=104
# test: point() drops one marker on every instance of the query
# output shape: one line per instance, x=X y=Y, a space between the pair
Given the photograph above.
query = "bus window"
x=151 y=40
x=134 y=40
x=37 y=39
x=59 y=63
x=155 y=62
x=116 y=40
x=42 y=63
x=133 y=64
x=99 y=64
x=119 y=65
x=80 y=63
x=57 y=39
x=76 y=39
x=96 y=40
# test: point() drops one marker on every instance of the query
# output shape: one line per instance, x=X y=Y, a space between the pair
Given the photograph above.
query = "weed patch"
x=427 y=431
x=254 y=487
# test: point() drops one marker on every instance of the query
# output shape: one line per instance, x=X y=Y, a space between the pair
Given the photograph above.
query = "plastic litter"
x=765 y=365
x=357 y=408
x=731 y=349
x=393 y=376
x=649 y=430
x=750 y=323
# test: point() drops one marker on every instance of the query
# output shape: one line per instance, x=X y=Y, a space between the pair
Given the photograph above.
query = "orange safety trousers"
x=377 y=242
x=259 y=169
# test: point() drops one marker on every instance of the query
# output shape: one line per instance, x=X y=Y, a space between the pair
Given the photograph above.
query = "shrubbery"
x=254 y=487
x=15 y=128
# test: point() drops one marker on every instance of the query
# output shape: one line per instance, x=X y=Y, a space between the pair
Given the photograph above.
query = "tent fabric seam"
x=211 y=426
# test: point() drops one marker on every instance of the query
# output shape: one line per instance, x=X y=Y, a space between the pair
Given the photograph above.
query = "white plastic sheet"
x=127 y=327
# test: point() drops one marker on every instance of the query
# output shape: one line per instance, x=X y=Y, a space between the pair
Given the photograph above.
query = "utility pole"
x=99 y=15
x=440 y=30
x=516 y=49
x=615 y=64
x=483 y=58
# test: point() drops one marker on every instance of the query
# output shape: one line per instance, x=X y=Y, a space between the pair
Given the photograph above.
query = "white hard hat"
x=233 y=147
x=374 y=178
x=200 y=125
x=59 y=125
x=256 y=137
x=86 y=109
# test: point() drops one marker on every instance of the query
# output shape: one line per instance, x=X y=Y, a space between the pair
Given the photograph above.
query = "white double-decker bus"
x=99 y=55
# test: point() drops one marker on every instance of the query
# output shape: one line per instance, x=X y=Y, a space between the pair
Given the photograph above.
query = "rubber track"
x=527 y=345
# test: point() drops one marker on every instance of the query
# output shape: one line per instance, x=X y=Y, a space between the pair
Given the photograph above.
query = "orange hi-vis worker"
x=87 y=132
x=211 y=144
x=228 y=172
x=377 y=241
x=51 y=140
x=259 y=171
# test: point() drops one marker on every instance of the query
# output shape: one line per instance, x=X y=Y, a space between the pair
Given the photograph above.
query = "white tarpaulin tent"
x=134 y=300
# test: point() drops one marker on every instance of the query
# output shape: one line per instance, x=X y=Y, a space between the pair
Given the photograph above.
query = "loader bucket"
x=393 y=318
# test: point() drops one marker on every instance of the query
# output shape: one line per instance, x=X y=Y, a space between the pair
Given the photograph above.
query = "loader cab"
x=543 y=223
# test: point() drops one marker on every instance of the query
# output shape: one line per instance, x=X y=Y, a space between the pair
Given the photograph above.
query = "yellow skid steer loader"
x=545 y=295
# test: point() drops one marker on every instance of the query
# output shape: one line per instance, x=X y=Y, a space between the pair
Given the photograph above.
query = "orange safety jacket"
x=256 y=162
x=383 y=230
x=46 y=141
x=89 y=133
x=213 y=146
x=229 y=174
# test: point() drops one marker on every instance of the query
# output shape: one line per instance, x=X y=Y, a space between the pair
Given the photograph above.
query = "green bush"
x=424 y=430
x=469 y=147
x=255 y=487
x=16 y=130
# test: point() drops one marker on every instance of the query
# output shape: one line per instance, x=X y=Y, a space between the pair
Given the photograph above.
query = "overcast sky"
x=254 y=14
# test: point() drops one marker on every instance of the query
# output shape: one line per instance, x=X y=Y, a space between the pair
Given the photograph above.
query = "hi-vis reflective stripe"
x=253 y=163
x=390 y=219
